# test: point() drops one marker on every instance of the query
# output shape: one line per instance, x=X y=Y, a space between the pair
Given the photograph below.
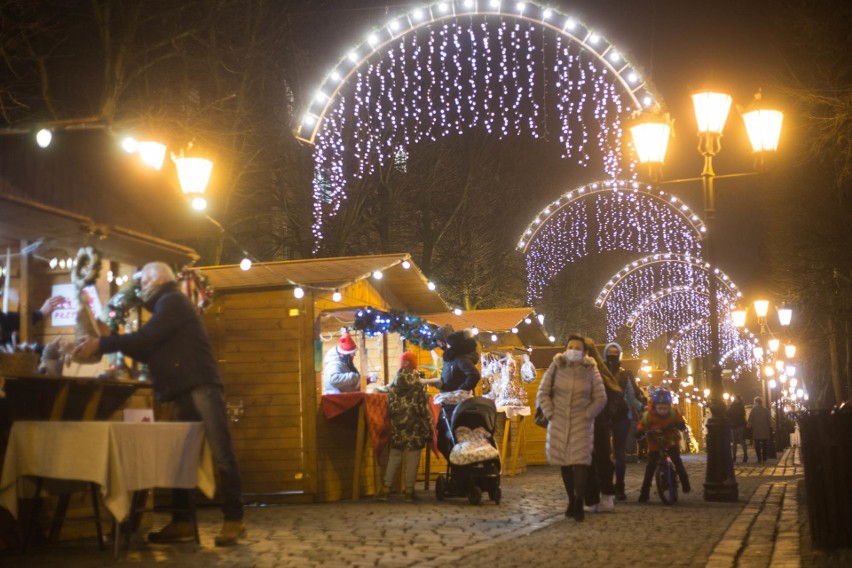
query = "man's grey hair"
x=158 y=272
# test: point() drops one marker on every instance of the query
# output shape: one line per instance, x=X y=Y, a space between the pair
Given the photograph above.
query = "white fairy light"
x=298 y=292
x=467 y=73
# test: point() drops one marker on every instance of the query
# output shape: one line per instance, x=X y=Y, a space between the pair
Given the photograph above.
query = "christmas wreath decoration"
x=410 y=327
x=87 y=267
x=118 y=307
x=196 y=286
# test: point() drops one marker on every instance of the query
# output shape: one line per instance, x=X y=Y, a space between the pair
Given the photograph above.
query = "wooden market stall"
x=505 y=332
x=81 y=191
x=270 y=345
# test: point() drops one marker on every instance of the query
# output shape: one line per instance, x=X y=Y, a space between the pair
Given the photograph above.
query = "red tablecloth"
x=376 y=413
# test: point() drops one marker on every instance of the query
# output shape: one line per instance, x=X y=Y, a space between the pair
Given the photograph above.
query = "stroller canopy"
x=475 y=412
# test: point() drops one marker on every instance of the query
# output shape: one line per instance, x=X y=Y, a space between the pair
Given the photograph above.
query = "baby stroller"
x=471 y=479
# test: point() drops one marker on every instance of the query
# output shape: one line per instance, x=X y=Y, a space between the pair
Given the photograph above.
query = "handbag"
x=540 y=419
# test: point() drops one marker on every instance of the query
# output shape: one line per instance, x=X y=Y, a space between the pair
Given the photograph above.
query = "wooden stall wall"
x=263 y=342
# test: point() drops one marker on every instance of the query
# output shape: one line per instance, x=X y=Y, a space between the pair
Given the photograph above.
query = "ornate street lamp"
x=194 y=175
x=711 y=113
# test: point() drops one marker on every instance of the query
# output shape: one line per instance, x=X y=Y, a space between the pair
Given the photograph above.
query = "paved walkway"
x=764 y=528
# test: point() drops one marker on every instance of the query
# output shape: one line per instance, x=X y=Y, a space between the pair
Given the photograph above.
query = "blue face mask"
x=574 y=355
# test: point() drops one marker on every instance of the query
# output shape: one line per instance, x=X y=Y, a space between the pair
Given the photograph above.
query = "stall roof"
x=406 y=287
x=498 y=321
x=84 y=190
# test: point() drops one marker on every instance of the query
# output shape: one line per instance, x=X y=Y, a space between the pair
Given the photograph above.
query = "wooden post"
x=25 y=333
x=359 y=451
x=362 y=364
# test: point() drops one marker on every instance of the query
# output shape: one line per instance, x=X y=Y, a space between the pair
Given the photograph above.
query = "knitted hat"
x=346 y=346
x=612 y=344
x=443 y=333
x=408 y=359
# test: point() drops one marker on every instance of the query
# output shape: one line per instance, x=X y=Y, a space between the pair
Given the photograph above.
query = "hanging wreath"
x=196 y=286
x=87 y=267
x=117 y=309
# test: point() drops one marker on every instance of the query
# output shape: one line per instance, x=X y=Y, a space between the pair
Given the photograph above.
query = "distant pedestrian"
x=760 y=421
x=621 y=427
x=737 y=416
x=571 y=395
x=600 y=492
x=410 y=425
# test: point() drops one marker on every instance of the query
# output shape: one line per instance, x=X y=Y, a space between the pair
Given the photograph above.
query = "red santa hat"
x=346 y=346
x=408 y=359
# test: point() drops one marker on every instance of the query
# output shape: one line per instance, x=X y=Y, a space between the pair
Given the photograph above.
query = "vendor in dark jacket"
x=174 y=345
x=460 y=357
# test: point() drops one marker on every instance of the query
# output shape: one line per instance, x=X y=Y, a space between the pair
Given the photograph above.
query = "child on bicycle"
x=661 y=424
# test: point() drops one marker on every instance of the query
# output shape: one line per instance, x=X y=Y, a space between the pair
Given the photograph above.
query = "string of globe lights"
x=512 y=68
x=693 y=341
x=637 y=282
x=628 y=216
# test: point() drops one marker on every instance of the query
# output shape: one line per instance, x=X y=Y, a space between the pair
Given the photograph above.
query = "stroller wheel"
x=495 y=495
x=475 y=495
x=440 y=487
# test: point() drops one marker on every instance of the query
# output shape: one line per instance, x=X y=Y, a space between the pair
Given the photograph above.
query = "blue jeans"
x=206 y=404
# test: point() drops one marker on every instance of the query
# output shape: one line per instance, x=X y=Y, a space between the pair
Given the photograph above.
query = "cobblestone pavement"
x=764 y=528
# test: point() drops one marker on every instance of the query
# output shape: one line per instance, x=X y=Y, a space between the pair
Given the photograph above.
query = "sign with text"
x=65 y=315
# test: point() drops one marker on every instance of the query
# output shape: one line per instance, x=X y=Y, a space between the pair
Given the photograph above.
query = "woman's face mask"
x=574 y=355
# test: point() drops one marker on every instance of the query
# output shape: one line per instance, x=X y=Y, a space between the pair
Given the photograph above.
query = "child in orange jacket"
x=662 y=423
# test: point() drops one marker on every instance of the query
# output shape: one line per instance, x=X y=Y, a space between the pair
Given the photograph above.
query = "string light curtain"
x=605 y=216
x=454 y=67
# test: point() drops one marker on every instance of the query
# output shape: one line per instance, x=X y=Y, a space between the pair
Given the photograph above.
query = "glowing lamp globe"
x=43 y=138
x=790 y=350
x=651 y=139
x=711 y=111
x=761 y=308
x=774 y=344
x=193 y=174
x=152 y=154
x=764 y=129
x=785 y=316
x=739 y=317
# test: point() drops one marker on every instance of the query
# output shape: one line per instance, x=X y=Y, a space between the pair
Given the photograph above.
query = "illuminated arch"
x=637 y=282
x=675 y=206
x=605 y=216
x=693 y=341
x=456 y=65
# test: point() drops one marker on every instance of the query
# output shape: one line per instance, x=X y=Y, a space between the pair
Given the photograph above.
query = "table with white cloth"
x=119 y=457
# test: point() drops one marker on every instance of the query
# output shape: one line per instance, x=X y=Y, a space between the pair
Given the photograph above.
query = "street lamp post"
x=650 y=138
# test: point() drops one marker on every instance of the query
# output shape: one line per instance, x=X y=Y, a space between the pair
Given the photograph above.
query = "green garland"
x=410 y=327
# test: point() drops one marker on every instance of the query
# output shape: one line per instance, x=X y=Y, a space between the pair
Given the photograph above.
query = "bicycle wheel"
x=664 y=481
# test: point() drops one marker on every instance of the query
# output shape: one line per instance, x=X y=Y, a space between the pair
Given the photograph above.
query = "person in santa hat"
x=338 y=370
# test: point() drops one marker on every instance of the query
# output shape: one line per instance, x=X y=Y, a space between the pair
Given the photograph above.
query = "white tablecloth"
x=512 y=411
x=120 y=457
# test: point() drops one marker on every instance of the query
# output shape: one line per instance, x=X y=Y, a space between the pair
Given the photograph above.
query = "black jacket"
x=459 y=370
x=736 y=414
x=173 y=343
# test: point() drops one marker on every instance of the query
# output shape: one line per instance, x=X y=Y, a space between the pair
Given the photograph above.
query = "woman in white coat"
x=571 y=395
